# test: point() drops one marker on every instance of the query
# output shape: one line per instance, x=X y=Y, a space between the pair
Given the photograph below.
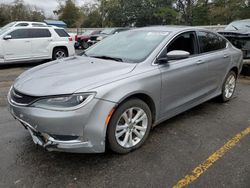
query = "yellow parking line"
x=203 y=167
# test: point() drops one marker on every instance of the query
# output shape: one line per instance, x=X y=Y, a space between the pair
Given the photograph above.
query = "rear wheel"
x=59 y=53
x=228 y=87
x=129 y=126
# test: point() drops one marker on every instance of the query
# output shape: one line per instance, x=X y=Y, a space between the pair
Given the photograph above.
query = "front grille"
x=21 y=99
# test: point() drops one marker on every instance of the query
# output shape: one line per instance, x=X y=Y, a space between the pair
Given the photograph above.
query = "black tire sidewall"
x=84 y=43
x=112 y=143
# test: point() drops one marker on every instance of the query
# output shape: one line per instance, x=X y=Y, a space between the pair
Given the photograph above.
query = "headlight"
x=66 y=102
x=99 y=38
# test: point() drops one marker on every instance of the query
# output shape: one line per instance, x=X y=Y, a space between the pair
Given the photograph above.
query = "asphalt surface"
x=172 y=150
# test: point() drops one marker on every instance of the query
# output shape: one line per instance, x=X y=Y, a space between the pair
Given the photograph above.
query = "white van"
x=29 y=41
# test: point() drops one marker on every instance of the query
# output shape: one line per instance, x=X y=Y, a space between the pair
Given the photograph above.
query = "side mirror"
x=7 y=37
x=177 y=55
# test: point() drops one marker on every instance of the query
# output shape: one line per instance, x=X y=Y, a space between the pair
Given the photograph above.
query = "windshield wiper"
x=108 y=57
x=235 y=27
x=82 y=54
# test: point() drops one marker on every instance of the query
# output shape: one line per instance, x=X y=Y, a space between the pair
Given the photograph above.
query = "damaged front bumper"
x=50 y=143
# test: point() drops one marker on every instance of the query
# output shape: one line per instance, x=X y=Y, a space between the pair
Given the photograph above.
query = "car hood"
x=236 y=33
x=69 y=75
x=100 y=35
x=84 y=36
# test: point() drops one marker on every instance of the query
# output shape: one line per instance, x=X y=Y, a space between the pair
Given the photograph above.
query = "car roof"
x=30 y=23
x=166 y=28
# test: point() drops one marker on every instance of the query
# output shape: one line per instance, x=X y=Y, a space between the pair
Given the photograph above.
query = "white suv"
x=28 y=41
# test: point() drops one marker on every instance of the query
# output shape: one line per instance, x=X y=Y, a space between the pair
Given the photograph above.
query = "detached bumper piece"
x=50 y=143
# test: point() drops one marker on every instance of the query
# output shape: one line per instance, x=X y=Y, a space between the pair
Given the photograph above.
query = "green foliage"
x=19 y=11
x=69 y=13
x=119 y=13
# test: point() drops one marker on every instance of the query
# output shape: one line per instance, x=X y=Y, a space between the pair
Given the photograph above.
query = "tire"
x=228 y=87
x=59 y=53
x=84 y=45
x=115 y=141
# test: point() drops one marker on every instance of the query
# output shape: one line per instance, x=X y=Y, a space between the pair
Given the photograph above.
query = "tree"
x=136 y=12
x=19 y=11
x=69 y=13
x=225 y=11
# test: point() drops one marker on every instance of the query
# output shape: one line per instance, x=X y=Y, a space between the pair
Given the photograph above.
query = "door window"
x=210 y=42
x=186 y=42
x=19 y=34
x=39 y=33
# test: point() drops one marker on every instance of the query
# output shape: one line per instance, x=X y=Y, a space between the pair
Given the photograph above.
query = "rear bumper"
x=71 y=49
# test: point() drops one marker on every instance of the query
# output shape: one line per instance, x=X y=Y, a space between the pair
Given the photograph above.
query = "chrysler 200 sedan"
x=112 y=95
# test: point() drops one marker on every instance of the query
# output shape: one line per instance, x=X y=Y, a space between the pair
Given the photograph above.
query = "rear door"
x=18 y=48
x=40 y=42
x=214 y=52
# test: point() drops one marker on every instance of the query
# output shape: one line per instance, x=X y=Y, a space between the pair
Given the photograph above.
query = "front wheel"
x=129 y=126
x=85 y=45
x=228 y=87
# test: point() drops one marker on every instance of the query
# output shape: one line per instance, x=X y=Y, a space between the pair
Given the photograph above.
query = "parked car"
x=22 y=24
x=121 y=87
x=82 y=40
x=105 y=33
x=238 y=33
x=19 y=43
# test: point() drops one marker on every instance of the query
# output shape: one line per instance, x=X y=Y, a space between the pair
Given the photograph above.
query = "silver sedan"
x=112 y=95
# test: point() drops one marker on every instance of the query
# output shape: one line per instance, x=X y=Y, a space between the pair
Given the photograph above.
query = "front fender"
x=148 y=83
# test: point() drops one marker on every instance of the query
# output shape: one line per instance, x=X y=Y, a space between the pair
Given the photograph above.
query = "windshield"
x=128 y=46
x=107 y=31
x=239 y=25
x=6 y=27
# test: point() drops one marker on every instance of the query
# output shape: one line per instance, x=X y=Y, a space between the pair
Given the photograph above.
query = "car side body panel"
x=174 y=87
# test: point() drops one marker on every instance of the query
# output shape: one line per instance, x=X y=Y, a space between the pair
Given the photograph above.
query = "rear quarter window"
x=62 y=33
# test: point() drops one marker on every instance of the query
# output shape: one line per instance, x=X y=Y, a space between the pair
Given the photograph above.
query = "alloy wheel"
x=230 y=86
x=131 y=127
x=60 y=54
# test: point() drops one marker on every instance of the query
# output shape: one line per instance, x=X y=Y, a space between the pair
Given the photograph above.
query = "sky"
x=46 y=5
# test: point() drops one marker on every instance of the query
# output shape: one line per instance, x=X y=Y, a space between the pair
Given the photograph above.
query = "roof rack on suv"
x=29 y=24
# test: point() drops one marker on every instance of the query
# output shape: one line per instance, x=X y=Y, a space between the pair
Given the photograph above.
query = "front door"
x=183 y=81
x=18 y=48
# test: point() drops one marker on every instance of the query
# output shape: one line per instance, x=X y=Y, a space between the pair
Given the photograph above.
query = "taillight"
x=70 y=39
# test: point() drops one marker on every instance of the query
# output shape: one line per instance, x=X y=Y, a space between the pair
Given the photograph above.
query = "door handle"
x=27 y=41
x=225 y=55
x=200 y=62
